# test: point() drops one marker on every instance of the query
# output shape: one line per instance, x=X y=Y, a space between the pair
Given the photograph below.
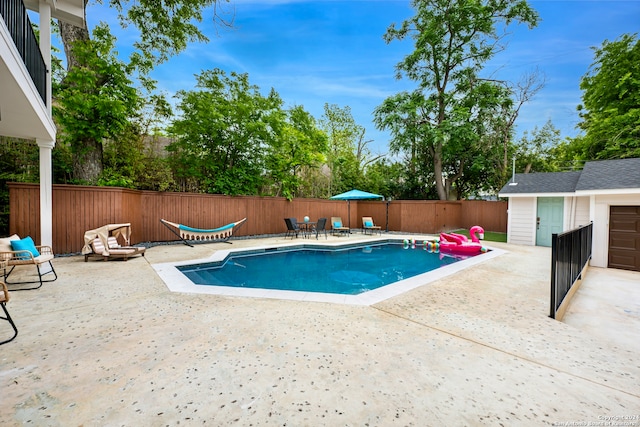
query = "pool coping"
x=176 y=281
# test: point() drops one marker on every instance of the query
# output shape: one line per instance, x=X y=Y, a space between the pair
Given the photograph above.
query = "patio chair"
x=113 y=250
x=293 y=229
x=212 y=235
x=321 y=226
x=18 y=252
x=337 y=227
x=4 y=299
x=369 y=226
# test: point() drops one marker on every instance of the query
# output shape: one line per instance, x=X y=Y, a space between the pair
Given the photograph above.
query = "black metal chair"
x=320 y=226
x=292 y=227
x=4 y=298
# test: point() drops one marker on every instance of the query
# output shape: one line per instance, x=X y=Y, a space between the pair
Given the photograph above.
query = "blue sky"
x=317 y=52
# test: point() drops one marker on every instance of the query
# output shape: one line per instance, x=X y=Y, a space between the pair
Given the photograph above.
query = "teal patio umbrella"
x=355 y=195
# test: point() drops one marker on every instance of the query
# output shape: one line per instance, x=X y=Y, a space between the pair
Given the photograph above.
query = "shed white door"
x=549 y=219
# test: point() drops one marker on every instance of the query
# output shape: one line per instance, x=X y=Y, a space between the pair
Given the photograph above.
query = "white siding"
x=582 y=211
x=600 y=256
x=522 y=221
x=576 y=212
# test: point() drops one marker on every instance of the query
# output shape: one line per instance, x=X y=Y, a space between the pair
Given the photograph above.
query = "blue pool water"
x=347 y=270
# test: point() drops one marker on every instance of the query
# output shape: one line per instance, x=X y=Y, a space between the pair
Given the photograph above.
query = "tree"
x=298 y=147
x=165 y=27
x=610 y=109
x=225 y=127
x=505 y=118
x=94 y=101
x=348 y=155
x=385 y=178
x=535 y=151
x=453 y=40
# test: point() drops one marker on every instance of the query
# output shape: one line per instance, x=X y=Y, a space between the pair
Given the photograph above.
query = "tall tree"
x=94 y=101
x=348 y=153
x=298 y=146
x=165 y=27
x=453 y=40
x=224 y=129
x=610 y=109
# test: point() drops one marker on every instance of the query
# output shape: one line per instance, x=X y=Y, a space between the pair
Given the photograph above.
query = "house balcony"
x=25 y=93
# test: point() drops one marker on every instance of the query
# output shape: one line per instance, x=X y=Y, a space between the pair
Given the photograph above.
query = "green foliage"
x=445 y=121
x=224 y=128
x=94 y=101
x=384 y=178
x=610 y=109
x=165 y=26
x=346 y=171
x=536 y=150
x=155 y=174
x=299 y=145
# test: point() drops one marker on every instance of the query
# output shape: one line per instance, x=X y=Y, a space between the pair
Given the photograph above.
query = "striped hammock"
x=220 y=234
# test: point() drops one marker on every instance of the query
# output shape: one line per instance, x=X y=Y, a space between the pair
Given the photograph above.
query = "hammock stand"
x=185 y=233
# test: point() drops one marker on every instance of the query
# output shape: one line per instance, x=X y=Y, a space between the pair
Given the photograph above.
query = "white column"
x=46 y=205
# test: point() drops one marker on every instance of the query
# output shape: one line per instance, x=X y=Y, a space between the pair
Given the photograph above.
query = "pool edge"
x=176 y=281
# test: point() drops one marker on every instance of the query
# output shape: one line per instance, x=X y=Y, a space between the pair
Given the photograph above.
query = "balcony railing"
x=17 y=21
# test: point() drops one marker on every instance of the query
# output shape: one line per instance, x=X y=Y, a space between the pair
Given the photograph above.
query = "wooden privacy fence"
x=80 y=208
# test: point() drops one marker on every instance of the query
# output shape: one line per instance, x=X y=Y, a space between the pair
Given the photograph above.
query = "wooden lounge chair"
x=337 y=226
x=30 y=254
x=186 y=233
x=113 y=250
x=369 y=226
x=4 y=299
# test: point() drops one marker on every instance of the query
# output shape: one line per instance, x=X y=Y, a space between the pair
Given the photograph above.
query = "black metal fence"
x=570 y=252
x=15 y=17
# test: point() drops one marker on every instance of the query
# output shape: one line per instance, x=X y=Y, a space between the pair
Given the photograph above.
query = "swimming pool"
x=349 y=270
x=177 y=281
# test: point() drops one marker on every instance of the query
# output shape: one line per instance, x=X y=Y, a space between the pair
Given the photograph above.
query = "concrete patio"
x=109 y=344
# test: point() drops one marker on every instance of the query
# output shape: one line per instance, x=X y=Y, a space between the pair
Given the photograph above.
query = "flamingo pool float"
x=459 y=244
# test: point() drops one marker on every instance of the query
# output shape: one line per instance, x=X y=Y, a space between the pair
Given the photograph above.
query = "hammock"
x=221 y=234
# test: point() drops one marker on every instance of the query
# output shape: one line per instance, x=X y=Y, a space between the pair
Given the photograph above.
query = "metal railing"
x=570 y=252
x=17 y=21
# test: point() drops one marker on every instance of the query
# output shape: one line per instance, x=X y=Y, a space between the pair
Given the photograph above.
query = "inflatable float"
x=459 y=244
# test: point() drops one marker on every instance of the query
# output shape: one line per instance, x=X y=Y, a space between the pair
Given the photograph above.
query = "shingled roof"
x=597 y=175
x=610 y=174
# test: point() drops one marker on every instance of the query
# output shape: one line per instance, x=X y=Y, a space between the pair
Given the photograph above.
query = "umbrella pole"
x=349 y=214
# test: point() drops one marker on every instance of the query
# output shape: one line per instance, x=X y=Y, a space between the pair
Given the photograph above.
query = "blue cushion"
x=337 y=224
x=25 y=244
x=368 y=224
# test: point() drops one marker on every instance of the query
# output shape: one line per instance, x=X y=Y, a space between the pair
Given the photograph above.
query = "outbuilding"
x=606 y=192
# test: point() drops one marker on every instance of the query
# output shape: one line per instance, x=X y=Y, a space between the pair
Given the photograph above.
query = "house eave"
x=608 y=192
x=71 y=11
x=23 y=113
x=536 y=194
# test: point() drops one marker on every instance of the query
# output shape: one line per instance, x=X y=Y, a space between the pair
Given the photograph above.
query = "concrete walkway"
x=108 y=344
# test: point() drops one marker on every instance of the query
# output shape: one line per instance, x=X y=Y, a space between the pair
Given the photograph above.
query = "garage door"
x=624 y=237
